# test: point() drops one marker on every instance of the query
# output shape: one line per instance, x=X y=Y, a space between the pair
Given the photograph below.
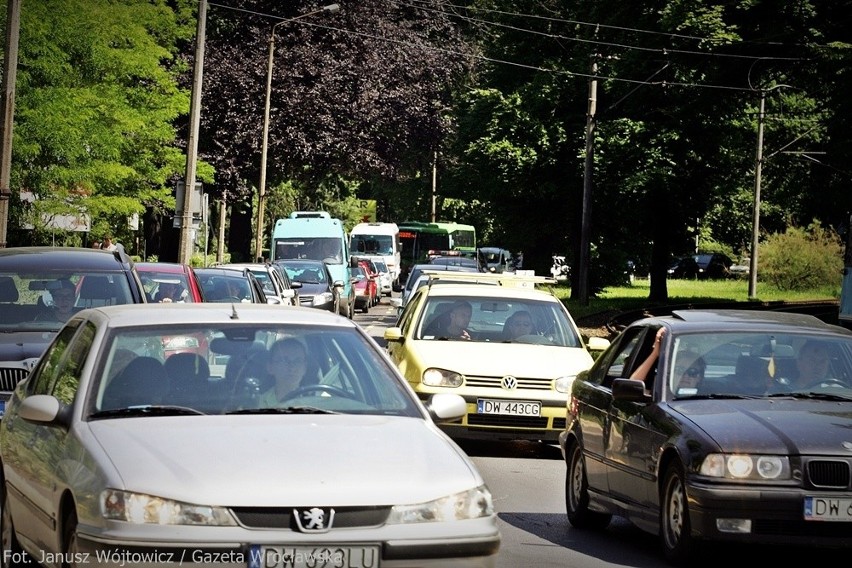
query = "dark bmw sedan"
x=41 y=287
x=718 y=425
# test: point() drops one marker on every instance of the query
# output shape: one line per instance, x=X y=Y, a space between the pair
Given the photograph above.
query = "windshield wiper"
x=810 y=395
x=285 y=410
x=147 y=410
x=717 y=396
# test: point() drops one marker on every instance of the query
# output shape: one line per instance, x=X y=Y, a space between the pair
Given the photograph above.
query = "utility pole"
x=186 y=229
x=755 y=227
x=585 y=223
x=434 y=186
x=10 y=67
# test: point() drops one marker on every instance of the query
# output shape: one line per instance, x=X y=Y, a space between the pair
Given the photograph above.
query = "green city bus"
x=418 y=238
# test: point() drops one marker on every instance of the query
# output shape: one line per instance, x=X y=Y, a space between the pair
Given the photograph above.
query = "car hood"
x=22 y=345
x=499 y=359
x=315 y=460
x=312 y=289
x=782 y=426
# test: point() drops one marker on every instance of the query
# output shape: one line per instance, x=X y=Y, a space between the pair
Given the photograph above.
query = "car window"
x=234 y=369
x=615 y=361
x=491 y=314
x=52 y=362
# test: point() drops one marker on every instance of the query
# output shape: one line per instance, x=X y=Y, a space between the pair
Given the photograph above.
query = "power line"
x=502 y=61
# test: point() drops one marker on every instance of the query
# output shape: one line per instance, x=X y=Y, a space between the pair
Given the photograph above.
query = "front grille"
x=523 y=383
x=507 y=421
x=833 y=474
x=282 y=517
x=9 y=378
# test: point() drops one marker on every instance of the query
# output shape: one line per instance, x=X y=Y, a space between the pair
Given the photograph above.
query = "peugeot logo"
x=509 y=382
x=314 y=520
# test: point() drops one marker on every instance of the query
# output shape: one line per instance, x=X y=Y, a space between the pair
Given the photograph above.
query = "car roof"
x=733 y=319
x=171 y=267
x=476 y=290
x=24 y=259
x=207 y=313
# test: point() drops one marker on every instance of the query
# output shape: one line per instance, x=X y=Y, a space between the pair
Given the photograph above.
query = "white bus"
x=379 y=240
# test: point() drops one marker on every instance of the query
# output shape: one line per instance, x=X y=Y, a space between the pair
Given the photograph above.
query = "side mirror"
x=393 y=334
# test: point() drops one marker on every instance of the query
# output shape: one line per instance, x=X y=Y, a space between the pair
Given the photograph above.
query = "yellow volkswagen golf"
x=512 y=351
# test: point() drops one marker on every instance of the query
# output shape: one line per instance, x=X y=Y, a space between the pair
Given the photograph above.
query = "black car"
x=740 y=432
x=224 y=285
x=31 y=281
x=713 y=266
x=318 y=289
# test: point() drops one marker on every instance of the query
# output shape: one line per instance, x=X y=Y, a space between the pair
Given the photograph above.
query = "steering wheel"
x=828 y=382
x=320 y=388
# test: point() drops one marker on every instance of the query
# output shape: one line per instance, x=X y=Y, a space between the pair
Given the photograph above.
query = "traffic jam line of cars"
x=703 y=426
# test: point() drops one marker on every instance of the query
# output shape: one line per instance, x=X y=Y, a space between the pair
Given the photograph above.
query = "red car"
x=365 y=289
x=373 y=274
x=170 y=282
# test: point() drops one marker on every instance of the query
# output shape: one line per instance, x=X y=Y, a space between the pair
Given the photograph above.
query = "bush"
x=801 y=259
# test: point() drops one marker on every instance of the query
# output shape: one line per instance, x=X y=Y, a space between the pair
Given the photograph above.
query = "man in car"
x=453 y=323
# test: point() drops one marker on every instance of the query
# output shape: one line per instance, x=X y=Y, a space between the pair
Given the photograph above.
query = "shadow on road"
x=510 y=449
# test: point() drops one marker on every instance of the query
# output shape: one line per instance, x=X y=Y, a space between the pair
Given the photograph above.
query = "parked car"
x=495 y=259
x=224 y=285
x=683 y=268
x=275 y=283
x=170 y=282
x=143 y=456
x=365 y=288
x=703 y=266
x=742 y=454
x=31 y=277
x=317 y=288
x=516 y=384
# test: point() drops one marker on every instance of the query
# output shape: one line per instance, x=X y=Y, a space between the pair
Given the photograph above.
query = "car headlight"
x=324 y=298
x=471 y=504
x=441 y=378
x=744 y=466
x=147 y=509
x=563 y=384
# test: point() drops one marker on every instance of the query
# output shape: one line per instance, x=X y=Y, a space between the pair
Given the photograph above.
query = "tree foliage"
x=96 y=103
x=802 y=258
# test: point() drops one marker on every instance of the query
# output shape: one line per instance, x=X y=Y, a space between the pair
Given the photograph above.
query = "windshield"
x=44 y=301
x=245 y=369
x=760 y=364
x=326 y=249
x=495 y=319
x=372 y=244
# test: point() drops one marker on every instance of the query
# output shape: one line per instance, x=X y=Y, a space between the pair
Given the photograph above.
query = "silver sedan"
x=272 y=438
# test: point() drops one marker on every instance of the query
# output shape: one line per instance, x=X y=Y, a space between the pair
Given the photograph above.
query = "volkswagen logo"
x=509 y=382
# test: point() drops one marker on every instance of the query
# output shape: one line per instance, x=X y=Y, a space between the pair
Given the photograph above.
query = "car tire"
x=70 y=546
x=12 y=554
x=577 y=494
x=675 y=527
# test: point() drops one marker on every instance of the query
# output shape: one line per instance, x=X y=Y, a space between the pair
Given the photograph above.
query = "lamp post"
x=261 y=194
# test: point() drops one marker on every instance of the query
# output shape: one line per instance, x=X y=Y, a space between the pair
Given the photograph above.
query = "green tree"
x=96 y=103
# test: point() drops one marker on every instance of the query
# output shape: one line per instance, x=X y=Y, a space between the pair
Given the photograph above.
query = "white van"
x=377 y=240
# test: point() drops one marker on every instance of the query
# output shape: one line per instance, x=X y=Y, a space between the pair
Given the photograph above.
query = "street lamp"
x=261 y=195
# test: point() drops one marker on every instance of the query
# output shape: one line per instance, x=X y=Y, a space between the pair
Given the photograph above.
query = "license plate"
x=832 y=509
x=510 y=407
x=321 y=556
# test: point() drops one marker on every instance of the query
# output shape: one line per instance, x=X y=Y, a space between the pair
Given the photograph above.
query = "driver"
x=811 y=364
x=287 y=364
